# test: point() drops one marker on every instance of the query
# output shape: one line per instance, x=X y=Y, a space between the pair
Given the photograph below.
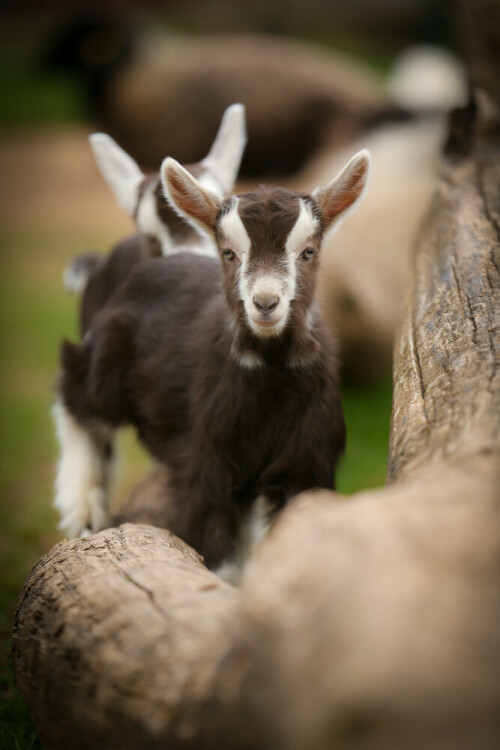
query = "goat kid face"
x=269 y=245
x=142 y=196
x=268 y=241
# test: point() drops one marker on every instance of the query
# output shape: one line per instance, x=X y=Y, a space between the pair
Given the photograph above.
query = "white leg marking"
x=76 y=276
x=82 y=476
x=253 y=530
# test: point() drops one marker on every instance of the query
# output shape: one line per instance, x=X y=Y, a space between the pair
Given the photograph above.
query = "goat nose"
x=265 y=303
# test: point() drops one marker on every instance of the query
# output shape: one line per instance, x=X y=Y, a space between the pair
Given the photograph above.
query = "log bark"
x=369 y=622
x=446 y=358
x=116 y=620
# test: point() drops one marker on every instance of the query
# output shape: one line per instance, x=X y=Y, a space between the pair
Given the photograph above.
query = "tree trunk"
x=369 y=622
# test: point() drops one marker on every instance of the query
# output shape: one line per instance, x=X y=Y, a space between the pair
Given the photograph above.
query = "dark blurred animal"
x=139 y=82
x=222 y=364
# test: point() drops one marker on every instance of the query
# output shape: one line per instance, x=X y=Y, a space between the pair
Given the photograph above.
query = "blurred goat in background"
x=159 y=94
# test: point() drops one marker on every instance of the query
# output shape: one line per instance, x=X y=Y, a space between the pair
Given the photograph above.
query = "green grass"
x=367 y=410
x=28 y=94
x=17 y=731
x=29 y=97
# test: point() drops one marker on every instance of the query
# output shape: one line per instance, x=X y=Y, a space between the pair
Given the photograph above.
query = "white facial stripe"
x=235 y=233
x=303 y=230
x=234 y=230
x=301 y=233
x=148 y=221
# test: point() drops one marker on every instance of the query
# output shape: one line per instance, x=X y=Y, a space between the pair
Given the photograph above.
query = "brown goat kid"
x=221 y=364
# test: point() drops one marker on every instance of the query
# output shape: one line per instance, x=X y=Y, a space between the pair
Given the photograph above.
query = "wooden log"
x=446 y=360
x=122 y=606
x=370 y=622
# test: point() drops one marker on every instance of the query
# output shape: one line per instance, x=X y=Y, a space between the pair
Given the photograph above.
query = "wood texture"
x=124 y=607
x=447 y=367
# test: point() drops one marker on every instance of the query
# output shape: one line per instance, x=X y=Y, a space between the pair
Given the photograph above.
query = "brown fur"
x=160 y=354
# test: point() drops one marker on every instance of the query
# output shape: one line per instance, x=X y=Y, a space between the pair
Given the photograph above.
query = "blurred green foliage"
x=28 y=94
x=367 y=410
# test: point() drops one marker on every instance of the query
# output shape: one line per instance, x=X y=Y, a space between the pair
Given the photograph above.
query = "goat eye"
x=308 y=253
x=228 y=254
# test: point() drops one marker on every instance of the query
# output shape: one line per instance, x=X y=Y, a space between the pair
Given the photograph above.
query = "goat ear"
x=189 y=198
x=343 y=192
x=224 y=158
x=119 y=170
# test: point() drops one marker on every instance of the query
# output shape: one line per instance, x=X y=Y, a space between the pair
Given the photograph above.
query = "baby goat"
x=222 y=365
x=161 y=230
